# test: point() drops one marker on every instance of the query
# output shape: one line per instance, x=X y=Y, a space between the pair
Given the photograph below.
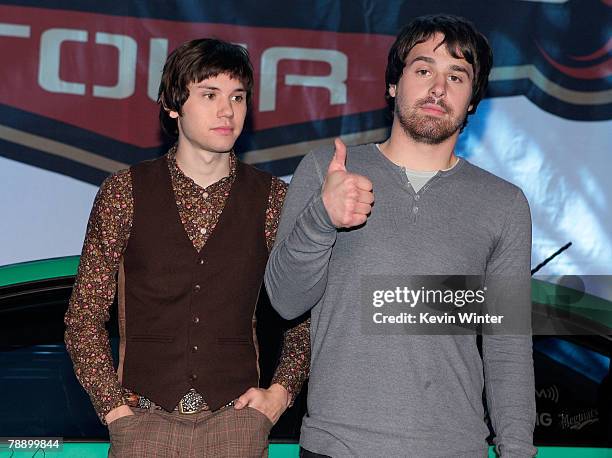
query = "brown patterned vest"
x=189 y=315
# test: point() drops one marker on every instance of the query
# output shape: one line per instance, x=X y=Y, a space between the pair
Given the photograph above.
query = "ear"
x=392 y=90
x=173 y=114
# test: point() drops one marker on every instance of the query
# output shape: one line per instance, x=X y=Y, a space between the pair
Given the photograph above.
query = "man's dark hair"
x=461 y=39
x=193 y=62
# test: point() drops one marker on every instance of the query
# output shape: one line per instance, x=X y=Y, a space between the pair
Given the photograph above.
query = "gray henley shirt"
x=405 y=395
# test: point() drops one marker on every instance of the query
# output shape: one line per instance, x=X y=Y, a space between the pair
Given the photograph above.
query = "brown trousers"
x=227 y=433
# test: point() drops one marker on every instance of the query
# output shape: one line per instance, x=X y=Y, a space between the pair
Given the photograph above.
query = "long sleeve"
x=508 y=359
x=86 y=337
x=294 y=364
x=296 y=274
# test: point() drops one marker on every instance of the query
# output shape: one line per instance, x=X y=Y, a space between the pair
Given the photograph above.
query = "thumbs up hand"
x=347 y=197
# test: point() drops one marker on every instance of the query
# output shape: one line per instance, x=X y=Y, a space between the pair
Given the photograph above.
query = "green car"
x=40 y=396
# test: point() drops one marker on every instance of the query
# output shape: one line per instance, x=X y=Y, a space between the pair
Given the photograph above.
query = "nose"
x=438 y=87
x=224 y=108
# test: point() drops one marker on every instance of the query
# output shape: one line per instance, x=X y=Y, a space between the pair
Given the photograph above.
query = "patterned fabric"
x=106 y=238
x=225 y=433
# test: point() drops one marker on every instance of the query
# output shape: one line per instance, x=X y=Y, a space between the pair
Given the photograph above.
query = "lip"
x=223 y=130
x=434 y=109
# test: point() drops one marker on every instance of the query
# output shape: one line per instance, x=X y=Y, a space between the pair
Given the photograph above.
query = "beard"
x=424 y=128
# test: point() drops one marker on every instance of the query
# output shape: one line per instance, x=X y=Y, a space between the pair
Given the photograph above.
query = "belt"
x=193 y=402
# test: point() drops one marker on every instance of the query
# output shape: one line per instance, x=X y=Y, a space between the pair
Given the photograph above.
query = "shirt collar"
x=177 y=172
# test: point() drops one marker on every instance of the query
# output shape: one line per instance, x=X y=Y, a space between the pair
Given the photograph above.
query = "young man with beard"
x=393 y=394
x=188 y=236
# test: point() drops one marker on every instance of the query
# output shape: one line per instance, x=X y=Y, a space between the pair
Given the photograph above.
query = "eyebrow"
x=430 y=60
x=214 y=88
x=460 y=68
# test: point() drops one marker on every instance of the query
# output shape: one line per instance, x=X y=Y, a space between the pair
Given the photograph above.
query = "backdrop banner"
x=80 y=79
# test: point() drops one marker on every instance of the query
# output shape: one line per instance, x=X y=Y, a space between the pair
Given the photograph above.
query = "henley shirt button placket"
x=415 y=210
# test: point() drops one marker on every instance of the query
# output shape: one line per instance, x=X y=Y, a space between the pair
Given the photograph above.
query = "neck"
x=405 y=151
x=203 y=167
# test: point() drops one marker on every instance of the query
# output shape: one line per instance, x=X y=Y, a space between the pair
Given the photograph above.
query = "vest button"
x=197 y=288
x=196 y=319
x=193 y=377
x=194 y=348
x=201 y=261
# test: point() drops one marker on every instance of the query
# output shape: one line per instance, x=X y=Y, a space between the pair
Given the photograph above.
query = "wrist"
x=281 y=392
x=321 y=213
x=117 y=412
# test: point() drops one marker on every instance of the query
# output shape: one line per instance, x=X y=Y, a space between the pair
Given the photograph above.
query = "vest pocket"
x=150 y=338
x=233 y=341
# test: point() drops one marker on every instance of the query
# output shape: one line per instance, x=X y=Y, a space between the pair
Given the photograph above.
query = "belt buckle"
x=191 y=403
x=186 y=410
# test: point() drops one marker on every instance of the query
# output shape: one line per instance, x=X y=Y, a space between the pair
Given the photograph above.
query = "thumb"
x=338 y=162
x=242 y=401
